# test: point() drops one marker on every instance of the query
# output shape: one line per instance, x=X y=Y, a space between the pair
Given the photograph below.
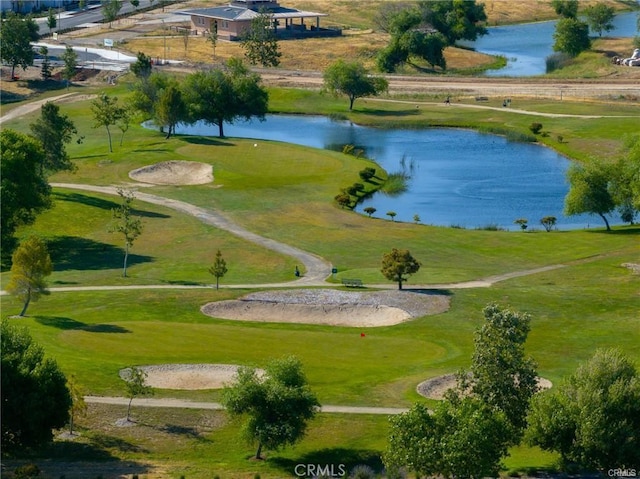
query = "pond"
x=526 y=46
x=458 y=177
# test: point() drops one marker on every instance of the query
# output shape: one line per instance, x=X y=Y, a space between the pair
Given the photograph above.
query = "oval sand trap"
x=435 y=388
x=187 y=376
x=174 y=173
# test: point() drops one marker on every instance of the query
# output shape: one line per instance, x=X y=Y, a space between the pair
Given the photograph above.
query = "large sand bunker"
x=435 y=388
x=174 y=173
x=187 y=376
x=330 y=307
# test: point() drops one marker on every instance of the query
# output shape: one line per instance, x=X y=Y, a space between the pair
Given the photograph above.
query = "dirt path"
x=35 y=105
x=181 y=403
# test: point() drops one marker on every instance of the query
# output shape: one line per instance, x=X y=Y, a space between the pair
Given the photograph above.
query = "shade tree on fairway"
x=24 y=191
x=548 y=222
x=170 y=109
x=31 y=264
x=351 y=79
x=35 y=399
x=54 y=130
x=125 y=223
x=398 y=265
x=276 y=407
x=501 y=375
x=219 y=268
x=590 y=190
x=593 y=418
x=106 y=112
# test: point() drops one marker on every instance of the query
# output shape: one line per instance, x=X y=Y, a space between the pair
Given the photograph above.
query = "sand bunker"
x=174 y=173
x=330 y=307
x=187 y=376
x=435 y=388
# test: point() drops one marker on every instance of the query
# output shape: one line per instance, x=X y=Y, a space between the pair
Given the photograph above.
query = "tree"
x=171 y=108
x=35 y=398
x=213 y=38
x=24 y=192
x=125 y=223
x=260 y=43
x=186 y=34
x=501 y=376
x=397 y=265
x=600 y=17
x=135 y=3
x=277 y=406
x=352 y=80
x=455 y=20
x=565 y=8
x=523 y=223
x=548 y=222
x=462 y=438
x=225 y=95
x=344 y=200
x=70 y=59
x=78 y=406
x=142 y=67
x=51 y=19
x=106 y=112
x=16 y=35
x=45 y=70
x=370 y=210
x=593 y=417
x=53 y=130
x=135 y=384
x=31 y=264
x=110 y=9
x=392 y=215
x=219 y=268
x=571 y=37
x=589 y=191
x=124 y=122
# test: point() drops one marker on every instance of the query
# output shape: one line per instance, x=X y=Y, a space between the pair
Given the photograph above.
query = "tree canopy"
x=35 y=398
x=16 y=35
x=277 y=406
x=398 y=265
x=106 y=112
x=593 y=417
x=600 y=17
x=571 y=36
x=53 y=130
x=259 y=41
x=566 y=8
x=589 y=190
x=142 y=67
x=24 y=191
x=31 y=264
x=352 y=80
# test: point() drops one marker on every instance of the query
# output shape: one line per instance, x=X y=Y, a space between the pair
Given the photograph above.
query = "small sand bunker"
x=330 y=307
x=187 y=376
x=174 y=173
x=435 y=388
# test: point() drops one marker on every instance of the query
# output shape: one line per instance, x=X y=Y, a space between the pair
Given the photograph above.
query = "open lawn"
x=590 y=302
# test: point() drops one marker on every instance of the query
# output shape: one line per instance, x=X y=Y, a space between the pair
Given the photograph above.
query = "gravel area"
x=330 y=307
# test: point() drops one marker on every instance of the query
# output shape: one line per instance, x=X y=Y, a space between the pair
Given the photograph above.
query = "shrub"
x=535 y=128
x=362 y=471
x=557 y=61
x=26 y=471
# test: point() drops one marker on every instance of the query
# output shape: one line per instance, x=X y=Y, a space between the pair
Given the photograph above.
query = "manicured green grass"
x=591 y=302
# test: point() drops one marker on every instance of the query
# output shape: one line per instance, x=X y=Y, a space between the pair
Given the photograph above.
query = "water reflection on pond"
x=459 y=177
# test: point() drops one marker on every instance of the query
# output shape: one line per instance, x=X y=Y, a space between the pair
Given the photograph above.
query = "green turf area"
x=590 y=302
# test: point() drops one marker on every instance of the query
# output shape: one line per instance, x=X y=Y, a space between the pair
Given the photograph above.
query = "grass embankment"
x=590 y=303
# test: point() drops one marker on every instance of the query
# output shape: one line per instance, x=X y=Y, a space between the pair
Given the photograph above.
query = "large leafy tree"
x=398 y=265
x=455 y=19
x=463 y=437
x=142 y=67
x=16 y=35
x=53 y=130
x=225 y=95
x=35 y=398
x=571 y=36
x=600 y=17
x=589 y=190
x=125 y=223
x=351 y=79
x=31 y=264
x=106 y=112
x=501 y=375
x=170 y=109
x=277 y=406
x=566 y=8
x=259 y=41
x=593 y=417
x=24 y=191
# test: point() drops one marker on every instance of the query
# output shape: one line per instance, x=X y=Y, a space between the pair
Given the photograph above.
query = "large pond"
x=458 y=177
x=526 y=46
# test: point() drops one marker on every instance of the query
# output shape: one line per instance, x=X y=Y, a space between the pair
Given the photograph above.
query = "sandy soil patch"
x=174 y=173
x=187 y=376
x=435 y=388
x=330 y=307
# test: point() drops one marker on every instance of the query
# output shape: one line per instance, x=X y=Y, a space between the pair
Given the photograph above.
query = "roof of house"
x=233 y=13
